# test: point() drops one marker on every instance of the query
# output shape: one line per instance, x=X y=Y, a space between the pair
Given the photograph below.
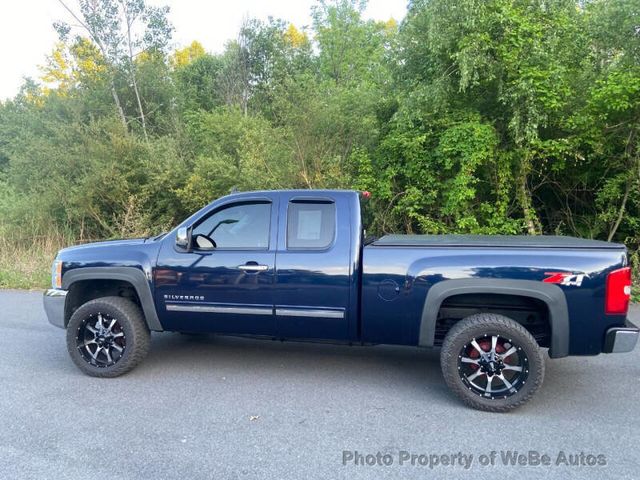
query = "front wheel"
x=491 y=362
x=107 y=337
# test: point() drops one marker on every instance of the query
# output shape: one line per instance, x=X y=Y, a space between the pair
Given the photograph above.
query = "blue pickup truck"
x=297 y=265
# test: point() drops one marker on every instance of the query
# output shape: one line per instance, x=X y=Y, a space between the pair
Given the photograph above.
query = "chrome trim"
x=54 y=302
x=309 y=312
x=182 y=237
x=621 y=339
x=253 y=268
x=219 y=309
x=54 y=292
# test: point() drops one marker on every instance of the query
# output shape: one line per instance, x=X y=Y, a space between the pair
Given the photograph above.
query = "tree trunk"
x=629 y=149
x=140 y=109
x=92 y=33
x=132 y=71
x=623 y=206
x=530 y=217
x=116 y=99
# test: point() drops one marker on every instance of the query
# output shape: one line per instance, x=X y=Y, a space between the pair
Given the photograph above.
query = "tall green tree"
x=121 y=30
x=474 y=116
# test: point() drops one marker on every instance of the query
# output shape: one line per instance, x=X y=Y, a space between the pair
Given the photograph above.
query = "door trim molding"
x=309 y=312
x=179 y=307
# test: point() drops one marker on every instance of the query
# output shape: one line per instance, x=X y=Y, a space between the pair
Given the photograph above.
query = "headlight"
x=56 y=274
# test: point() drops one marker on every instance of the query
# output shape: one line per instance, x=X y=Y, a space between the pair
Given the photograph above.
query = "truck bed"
x=501 y=241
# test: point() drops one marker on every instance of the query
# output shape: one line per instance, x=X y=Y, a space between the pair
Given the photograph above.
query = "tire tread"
x=449 y=356
x=138 y=345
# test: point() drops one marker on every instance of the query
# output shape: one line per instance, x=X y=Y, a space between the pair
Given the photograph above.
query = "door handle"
x=253 y=267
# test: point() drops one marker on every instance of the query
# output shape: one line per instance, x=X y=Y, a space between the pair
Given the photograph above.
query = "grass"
x=26 y=264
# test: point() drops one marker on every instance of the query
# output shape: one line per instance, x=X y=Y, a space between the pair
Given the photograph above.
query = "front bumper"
x=621 y=339
x=54 y=301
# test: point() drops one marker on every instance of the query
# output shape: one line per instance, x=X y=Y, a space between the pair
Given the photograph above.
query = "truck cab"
x=280 y=264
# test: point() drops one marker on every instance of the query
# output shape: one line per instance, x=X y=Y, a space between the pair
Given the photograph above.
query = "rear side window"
x=311 y=225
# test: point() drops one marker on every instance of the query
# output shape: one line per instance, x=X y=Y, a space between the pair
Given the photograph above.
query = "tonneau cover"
x=503 y=241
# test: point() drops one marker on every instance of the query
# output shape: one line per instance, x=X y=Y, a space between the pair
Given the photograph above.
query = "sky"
x=27 y=35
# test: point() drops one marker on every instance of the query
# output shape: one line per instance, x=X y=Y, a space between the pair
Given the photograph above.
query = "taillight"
x=618 y=292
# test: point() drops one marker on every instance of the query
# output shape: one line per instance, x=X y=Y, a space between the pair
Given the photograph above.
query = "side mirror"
x=183 y=237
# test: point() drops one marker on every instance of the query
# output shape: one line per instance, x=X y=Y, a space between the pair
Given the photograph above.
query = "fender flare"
x=551 y=295
x=132 y=275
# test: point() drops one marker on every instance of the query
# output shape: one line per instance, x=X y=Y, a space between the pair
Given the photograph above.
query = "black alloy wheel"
x=101 y=340
x=493 y=366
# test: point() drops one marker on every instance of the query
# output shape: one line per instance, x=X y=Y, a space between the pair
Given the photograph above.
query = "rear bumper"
x=621 y=339
x=54 y=301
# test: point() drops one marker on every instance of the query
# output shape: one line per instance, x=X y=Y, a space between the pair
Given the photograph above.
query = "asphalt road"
x=227 y=408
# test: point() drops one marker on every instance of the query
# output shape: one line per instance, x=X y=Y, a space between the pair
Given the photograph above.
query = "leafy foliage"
x=487 y=116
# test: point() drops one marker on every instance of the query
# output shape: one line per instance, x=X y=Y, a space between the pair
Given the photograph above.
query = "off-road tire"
x=132 y=324
x=488 y=324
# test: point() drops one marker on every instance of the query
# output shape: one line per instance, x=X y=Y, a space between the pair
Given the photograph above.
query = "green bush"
x=491 y=117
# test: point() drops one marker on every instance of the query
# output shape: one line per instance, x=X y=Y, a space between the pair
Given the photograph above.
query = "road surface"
x=232 y=408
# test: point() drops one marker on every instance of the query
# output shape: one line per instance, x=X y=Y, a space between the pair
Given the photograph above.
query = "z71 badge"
x=563 y=278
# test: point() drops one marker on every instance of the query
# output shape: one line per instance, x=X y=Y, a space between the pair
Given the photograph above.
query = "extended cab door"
x=227 y=288
x=315 y=289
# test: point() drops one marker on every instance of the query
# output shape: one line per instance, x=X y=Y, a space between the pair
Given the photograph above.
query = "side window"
x=241 y=226
x=310 y=225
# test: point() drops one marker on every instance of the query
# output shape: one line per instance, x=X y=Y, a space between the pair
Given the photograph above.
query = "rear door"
x=313 y=267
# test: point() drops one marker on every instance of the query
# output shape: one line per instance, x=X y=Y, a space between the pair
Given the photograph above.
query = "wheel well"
x=531 y=313
x=82 y=291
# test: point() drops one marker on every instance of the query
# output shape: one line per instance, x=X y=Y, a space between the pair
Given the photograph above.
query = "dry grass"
x=26 y=264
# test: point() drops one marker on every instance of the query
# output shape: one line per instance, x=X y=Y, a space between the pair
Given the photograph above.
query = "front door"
x=224 y=283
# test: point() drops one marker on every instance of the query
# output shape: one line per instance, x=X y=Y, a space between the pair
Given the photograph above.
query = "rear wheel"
x=491 y=362
x=107 y=337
